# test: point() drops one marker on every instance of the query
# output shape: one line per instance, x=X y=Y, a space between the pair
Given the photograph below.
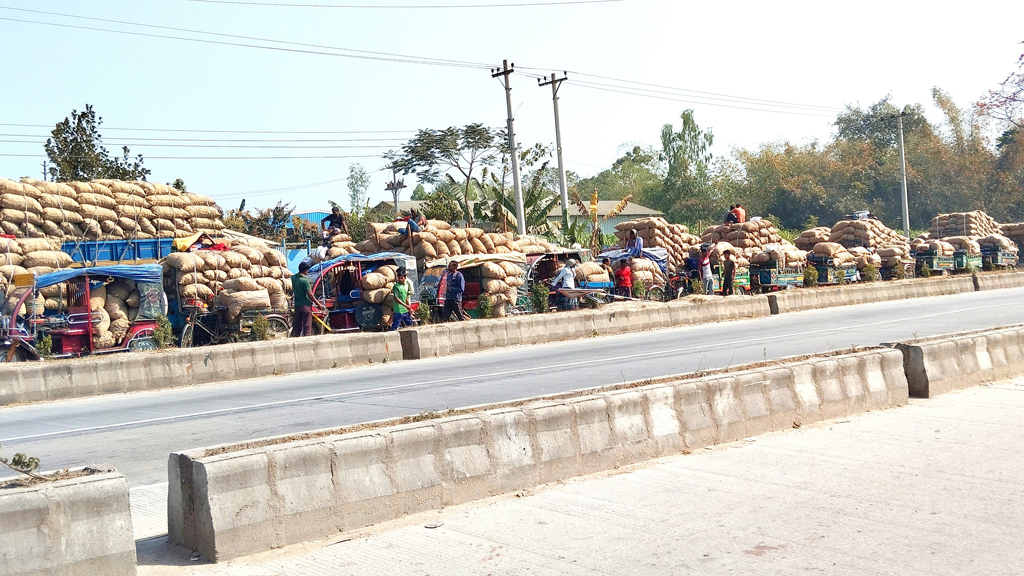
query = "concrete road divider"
x=77 y=526
x=231 y=501
x=939 y=365
x=457 y=337
x=132 y=372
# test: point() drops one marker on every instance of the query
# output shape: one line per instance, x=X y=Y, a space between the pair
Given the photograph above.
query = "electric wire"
x=407 y=6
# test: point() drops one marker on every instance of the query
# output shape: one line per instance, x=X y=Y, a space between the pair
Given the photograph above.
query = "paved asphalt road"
x=136 y=432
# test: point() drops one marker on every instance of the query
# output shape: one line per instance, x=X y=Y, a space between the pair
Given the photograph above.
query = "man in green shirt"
x=302 y=292
x=401 y=309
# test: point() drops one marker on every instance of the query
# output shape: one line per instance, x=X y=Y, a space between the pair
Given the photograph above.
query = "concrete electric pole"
x=395 y=187
x=555 y=82
x=903 y=177
x=504 y=72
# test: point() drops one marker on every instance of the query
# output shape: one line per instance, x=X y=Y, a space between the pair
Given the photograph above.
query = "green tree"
x=1006 y=103
x=358 y=184
x=637 y=172
x=75 y=148
x=178 y=185
x=268 y=223
x=433 y=152
x=686 y=194
x=419 y=192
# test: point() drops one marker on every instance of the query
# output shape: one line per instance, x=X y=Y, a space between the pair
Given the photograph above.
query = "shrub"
x=484 y=306
x=926 y=272
x=539 y=297
x=639 y=289
x=987 y=266
x=260 y=328
x=810 y=277
x=45 y=346
x=696 y=286
x=163 y=336
x=870 y=273
x=423 y=314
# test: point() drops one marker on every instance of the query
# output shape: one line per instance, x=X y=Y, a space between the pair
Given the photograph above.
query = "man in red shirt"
x=624 y=279
x=741 y=213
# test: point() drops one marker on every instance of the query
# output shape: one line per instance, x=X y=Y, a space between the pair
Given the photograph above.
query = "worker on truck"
x=334 y=223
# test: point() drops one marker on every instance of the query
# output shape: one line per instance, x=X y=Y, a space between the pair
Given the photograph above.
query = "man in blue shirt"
x=456 y=285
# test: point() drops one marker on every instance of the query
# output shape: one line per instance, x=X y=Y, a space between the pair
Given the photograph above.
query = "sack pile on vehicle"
x=591 y=272
x=1014 y=232
x=808 y=238
x=339 y=245
x=657 y=232
x=244 y=277
x=785 y=254
x=103 y=210
x=999 y=242
x=30 y=256
x=892 y=256
x=439 y=239
x=839 y=253
x=870 y=233
x=744 y=240
x=931 y=247
x=501 y=282
x=865 y=257
x=646 y=271
x=964 y=244
x=976 y=223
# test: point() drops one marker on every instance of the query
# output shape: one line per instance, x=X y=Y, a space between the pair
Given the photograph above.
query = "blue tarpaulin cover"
x=137 y=272
x=657 y=254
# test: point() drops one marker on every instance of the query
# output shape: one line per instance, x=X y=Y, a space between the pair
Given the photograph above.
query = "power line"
x=228 y=146
x=407 y=6
x=147 y=157
x=197 y=131
x=398 y=59
x=260 y=140
x=236 y=36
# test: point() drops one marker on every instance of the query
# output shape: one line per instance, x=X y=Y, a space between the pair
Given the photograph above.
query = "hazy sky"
x=195 y=108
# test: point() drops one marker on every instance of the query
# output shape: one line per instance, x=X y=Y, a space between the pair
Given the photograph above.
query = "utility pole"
x=44 y=171
x=504 y=72
x=395 y=187
x=903 y=177
x=555 y=82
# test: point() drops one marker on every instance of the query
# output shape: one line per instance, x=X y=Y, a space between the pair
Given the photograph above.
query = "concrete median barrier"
x=133 y=372
x=936 y=366
x=236 y=500
x=80 y=525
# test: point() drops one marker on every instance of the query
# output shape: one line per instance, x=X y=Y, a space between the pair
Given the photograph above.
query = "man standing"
x=728 y=273
x=302 y=292
x=624 y=279
x=705 y=271
x=456 y=285
x=335 y=221
x=401 y=310
x=566 y=279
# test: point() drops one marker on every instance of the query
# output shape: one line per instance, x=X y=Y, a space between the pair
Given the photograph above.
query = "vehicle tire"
x=279 y=328
x=18 y=356
x=140 y=343
x=187 y=334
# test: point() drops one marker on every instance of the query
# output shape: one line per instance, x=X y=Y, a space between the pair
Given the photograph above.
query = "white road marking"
x=490 y=374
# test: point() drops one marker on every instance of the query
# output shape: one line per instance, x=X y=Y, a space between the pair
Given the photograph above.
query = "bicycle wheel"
x=277 y=327
x=187 y=334
x=656 y=294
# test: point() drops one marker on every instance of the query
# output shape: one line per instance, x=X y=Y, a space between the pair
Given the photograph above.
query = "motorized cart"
x=771 y=276
x=338 y=284
x=82 y=325
x=996 y=258
x=936 y=264
x=477 y=269
x=830 y=273
x=964 y=262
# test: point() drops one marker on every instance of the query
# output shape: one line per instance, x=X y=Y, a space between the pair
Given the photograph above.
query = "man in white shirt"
x=566 y=278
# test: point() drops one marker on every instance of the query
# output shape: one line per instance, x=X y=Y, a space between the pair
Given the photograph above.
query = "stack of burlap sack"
x=242 y=278
x=591 y=272
x=998 y=242
x=964 y=244
x=839 y=254
x=103 y=210
x=339 y=245
x=30 y=256
x=657 y=232
x=931 y=247
x=809 y=238
x=1014 y=232
x=866 y=257
x=440 y=239
x=894 y=254
x=501 y=282
x=870 y=233
x=786 y=255
x=645 y=271
x=744 y=240
x=976 y=223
